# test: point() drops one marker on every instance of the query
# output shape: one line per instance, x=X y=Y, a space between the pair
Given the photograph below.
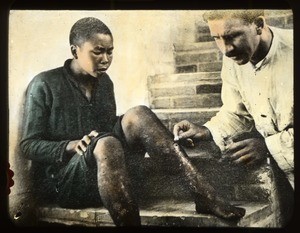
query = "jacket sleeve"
x=281 y=147
x=233 y=116
x=35 y=144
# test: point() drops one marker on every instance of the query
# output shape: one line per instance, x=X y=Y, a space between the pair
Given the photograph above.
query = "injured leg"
x=207 y=202
x=142 y=127
x=114 y=184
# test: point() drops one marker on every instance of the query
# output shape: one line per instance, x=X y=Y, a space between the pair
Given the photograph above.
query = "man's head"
x=91 y=44
x=248 y=16
x=238 y=33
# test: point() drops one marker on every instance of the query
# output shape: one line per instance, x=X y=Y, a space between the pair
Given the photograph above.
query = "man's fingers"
x=238 y=154
x=179 y=128
x=186 y=135
x=243 y=159
x=176 y=130
x=235 y=146
x=188 y=142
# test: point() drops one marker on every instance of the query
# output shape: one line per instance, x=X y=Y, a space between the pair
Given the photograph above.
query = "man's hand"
x=186 y=130
x=80 y=146
x=247 y=152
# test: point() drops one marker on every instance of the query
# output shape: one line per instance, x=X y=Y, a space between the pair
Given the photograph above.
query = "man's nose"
x=225 y=46
x=228 y=49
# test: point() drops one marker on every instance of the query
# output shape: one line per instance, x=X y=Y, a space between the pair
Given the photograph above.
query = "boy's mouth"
x=103 y=69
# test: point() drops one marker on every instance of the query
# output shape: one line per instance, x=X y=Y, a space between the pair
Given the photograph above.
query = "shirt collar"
x=68 y=72
x=270 y=53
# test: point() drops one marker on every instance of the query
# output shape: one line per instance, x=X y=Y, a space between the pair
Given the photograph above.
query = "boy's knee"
x=139 y=110
x=109 y=154
x=136 y=115
x=107 y=145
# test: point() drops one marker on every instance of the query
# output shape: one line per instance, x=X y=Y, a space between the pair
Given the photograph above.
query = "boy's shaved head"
x=85 y=28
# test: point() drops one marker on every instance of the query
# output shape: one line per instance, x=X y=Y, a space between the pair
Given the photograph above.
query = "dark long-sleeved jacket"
x=56 y=111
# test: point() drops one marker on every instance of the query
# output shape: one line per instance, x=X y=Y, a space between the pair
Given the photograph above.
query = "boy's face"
x=236 y=39
x=95 y=55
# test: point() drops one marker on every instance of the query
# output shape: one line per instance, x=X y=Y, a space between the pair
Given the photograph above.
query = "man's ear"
x=260 y=23
x=74 y=51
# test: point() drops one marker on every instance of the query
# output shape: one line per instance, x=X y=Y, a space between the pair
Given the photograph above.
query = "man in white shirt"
x=257 y=92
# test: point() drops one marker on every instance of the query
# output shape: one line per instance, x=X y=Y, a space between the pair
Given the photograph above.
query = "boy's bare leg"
x=142 y=127
x=114 y=183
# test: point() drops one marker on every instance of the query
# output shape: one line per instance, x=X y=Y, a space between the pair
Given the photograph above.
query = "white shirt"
x=261 y=95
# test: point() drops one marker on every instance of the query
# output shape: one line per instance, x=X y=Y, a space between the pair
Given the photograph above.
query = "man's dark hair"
x=85 y=28
x=248 y=16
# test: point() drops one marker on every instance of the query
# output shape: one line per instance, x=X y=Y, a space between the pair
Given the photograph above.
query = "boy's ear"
x=260 y=23
x=74 y=51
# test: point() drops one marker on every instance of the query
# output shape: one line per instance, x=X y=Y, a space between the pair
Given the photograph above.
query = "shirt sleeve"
x=233 y=116
x=281 y=147
x=35 y=145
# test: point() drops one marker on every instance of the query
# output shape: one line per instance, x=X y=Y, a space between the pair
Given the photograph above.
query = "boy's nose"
x=104 y=58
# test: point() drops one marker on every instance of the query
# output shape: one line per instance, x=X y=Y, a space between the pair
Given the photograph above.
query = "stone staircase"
x=192 y=93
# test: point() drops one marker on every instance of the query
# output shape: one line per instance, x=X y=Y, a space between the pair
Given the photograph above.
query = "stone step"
x=197 y=56
x=185 y=77
x=166 y=213
x=185 y=88
x=202 y=32
x=170 y=83
x=187 y=101
x=281 y=18
x=196 y=115
x=198 y=46
x=213 y=66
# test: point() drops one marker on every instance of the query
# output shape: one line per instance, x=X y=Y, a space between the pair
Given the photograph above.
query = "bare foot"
x=207 y=200
x=220 y=209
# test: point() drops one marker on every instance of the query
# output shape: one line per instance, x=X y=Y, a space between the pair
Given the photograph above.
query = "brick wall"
x=185 y=56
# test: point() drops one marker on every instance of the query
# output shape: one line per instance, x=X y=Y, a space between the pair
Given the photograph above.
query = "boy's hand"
x=80 y=146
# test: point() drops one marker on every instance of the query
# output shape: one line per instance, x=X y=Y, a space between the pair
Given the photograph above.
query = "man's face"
x=235 y=38
x=95 y=55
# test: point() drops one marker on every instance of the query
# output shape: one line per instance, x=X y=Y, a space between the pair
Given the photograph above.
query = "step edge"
x=186 y=110
x=169 y=85
x=201 y=95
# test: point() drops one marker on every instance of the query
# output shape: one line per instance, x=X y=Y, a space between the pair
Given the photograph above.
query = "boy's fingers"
x=86 y=140
x=94 y=133
x=78 y=150
x=81 y=146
